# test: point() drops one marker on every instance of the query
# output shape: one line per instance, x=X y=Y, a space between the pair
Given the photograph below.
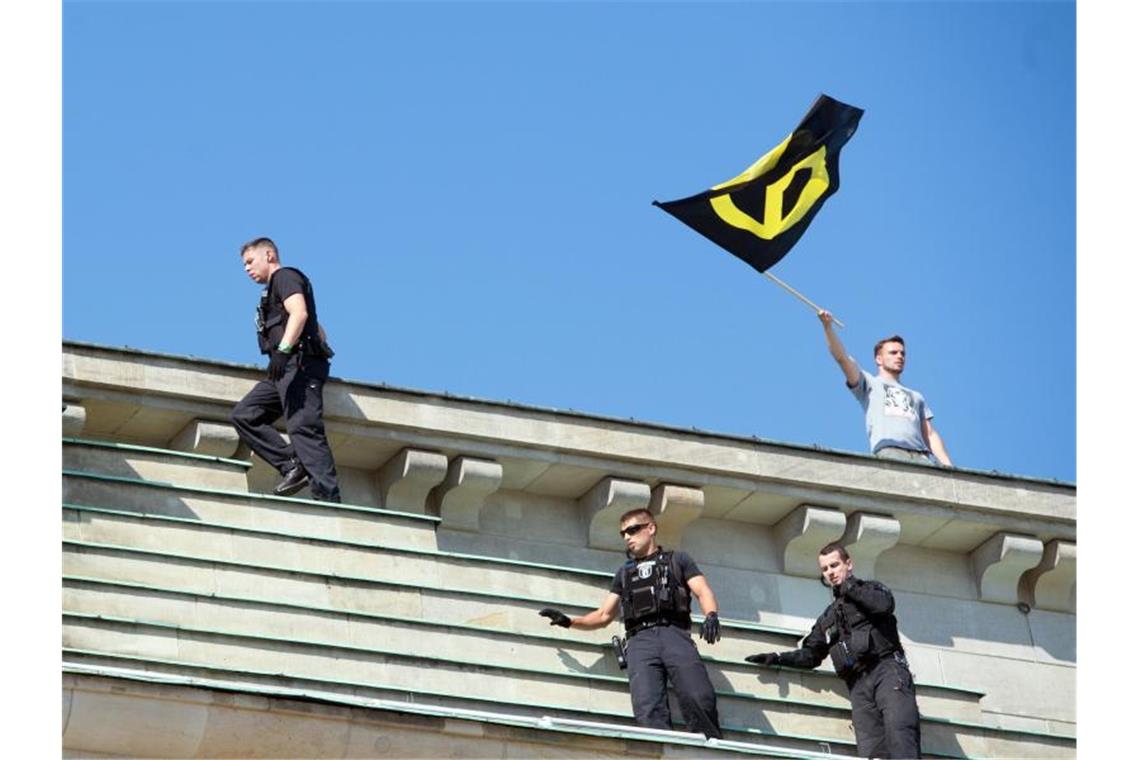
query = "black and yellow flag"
x=760 y=214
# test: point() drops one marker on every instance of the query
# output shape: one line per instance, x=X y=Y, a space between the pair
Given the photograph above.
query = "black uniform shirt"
x=284 y=283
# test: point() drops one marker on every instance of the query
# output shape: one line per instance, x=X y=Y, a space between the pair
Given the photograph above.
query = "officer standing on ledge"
x=860 y=633
x=653 y=590
x=288 y=331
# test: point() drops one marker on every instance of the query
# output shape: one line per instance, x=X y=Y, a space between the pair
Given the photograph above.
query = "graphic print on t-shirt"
x=898 y=402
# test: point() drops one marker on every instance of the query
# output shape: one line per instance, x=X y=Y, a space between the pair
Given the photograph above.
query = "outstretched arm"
x=838 y=352
x=600 y=617
x=810 y=655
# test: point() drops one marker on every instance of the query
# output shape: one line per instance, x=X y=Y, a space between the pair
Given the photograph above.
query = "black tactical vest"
x=856 y=641
x=653 y=592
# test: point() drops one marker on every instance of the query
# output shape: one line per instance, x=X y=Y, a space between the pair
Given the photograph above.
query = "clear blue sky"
x=469 y=186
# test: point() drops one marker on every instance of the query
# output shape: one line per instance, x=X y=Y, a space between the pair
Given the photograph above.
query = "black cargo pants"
x=885 y=712
x=299 y=396
x=668 y=652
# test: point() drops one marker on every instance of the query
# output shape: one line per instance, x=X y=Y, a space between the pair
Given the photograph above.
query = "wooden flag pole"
x=797 y=294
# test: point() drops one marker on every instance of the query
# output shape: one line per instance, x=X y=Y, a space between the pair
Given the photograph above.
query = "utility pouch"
x=850 y=655
x=842 y=659
x=643 y=602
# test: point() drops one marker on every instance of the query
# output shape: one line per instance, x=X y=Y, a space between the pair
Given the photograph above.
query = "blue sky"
x=469 y=187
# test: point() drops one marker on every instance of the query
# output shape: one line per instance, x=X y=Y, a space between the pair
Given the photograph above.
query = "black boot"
x=294 y=480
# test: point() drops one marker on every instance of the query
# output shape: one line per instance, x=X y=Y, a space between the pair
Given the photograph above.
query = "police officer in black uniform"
x=288 y=331
x=859 y=632
x=653 y=590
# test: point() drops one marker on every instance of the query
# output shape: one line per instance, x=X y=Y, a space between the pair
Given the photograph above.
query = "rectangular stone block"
x=272 y=733
x=124 y=725
x=118 y=566
x=154 y=465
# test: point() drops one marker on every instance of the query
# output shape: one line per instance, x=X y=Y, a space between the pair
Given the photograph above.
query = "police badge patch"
x=645 y=569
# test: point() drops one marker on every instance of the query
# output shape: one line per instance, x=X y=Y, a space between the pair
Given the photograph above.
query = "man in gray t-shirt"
x=898 y=419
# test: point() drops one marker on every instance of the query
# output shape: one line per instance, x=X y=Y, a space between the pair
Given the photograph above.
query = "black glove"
x=767 y=658
x=710 y=629
x=556 y=617
x=842 y=589
x=277 y=363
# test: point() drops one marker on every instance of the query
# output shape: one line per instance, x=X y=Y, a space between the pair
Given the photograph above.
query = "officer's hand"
x=277 y=363
x=710 y=629
x=556 y=617
x=765 y=658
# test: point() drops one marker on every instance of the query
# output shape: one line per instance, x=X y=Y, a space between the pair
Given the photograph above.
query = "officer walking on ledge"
x=288 y=331
x=860 y=633
x=653 y=590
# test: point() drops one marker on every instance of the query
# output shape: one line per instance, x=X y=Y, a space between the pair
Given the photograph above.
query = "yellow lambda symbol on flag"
x=777 y=219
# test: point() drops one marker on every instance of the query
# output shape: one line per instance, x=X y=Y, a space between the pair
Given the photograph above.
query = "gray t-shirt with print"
x=894 y=413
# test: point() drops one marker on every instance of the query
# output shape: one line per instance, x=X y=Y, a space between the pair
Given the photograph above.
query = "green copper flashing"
x=247 y=495
x=99 y=444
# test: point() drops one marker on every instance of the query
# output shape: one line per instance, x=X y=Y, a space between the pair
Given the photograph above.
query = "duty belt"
x=650 y=624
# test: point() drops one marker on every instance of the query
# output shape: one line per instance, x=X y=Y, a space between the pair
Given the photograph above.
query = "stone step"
x=155 y=464
x=510 y=620
x=377 y=675
x=455 y=587
x=235 y=509
x=471 y=677
x=562 y=652
x=179 y=540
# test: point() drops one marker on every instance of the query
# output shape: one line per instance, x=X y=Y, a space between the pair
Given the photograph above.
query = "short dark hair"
x=893 y=339
x=261 y=242
x=835 y=546
x=635 y=513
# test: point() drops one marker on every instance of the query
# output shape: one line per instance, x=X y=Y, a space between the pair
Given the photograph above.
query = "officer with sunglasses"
x=653 y=591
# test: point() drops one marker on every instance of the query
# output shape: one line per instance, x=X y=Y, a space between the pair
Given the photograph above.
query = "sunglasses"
x=632 y=530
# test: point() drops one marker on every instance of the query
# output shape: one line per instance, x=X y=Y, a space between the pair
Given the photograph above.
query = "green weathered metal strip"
x=428 y=622
x=247 y=495
x=95 y=443
x=592 y=574
x=534 y=671
x=432 y=553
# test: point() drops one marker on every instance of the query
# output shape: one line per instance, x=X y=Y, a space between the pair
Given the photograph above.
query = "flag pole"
x=797 y=294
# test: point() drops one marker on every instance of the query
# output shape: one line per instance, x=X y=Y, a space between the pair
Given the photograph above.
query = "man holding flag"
x=898 y=419
x=761 y=213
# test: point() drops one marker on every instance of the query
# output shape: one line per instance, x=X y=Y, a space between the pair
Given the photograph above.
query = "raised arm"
x=838 y=352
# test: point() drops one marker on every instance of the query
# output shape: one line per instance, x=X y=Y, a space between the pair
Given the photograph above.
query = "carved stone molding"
x=406 y=479
x=459 y=499
x=1052 y=584
x=674 y=507
x=999 y=563
x=802 y=533
x=867 y=536
x=605 y=503
x=204 y=437
x=74 y=418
